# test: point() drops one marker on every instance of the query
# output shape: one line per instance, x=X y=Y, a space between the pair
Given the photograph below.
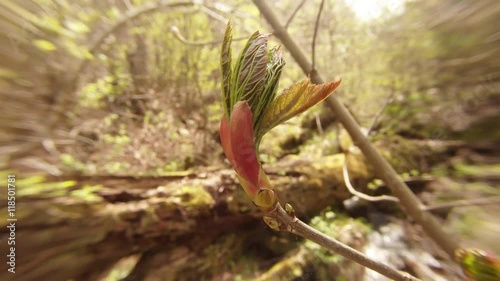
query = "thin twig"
x=337 y=137
x=279 y=219
x=213 y=14
x=316 y=26
x=362 y=195
x=463 y=203
x=289 y=21
x=181 y=38
x=318 y=123
x=128 y=4
x=387 y=101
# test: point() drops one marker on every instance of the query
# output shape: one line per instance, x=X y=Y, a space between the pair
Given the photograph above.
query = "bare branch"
x=289 y=21
x=279 y=219
x=316 y=26
x=463 y=203
x=181 y=38
x=387 y=101
x=361 y=195
x=337 y=137
x=213 y=14
x=318 y=123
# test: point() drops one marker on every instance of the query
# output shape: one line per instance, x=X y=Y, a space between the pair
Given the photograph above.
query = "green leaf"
x=274 y=67
x=77 y=27
x=250 y=71
x=478 y=264
x=44 y=45
x=293 y=101
x=227 y=71
x=254 y=70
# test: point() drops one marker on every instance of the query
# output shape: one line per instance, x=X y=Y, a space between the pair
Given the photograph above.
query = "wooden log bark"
x=79 y=229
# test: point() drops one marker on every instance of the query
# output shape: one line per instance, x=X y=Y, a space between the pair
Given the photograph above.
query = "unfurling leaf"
x=274 y=67
x=250 y=72
x=251 y=108
x=293 y=101
x=227 y=70
x=242 y=143
x=478 y=264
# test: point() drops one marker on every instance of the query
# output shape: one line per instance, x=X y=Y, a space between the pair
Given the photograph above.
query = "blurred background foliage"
x=142 y=83
x=131 y=88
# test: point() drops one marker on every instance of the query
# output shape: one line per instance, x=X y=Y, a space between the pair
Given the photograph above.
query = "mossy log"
x=78 y=227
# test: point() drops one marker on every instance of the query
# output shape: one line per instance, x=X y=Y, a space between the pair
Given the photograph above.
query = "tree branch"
x=279 y=219
x=463 y=203
x=361 y=195
x=213 y=14
x=316 y=26
x=387 y=101
x=383 y=169
x=289 y=21
x=181 y=38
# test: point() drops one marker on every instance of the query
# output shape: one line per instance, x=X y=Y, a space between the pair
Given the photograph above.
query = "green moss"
x=71 y=162
x=483 y=188
x=172 y=166
x=87 y=193
x=289 y=268
x=330 y=162
x=246 y=267
x=116 y=167
x=440 y=171
x=476 y=170
x=332 y=225
x=193 y=197
x=36 y=185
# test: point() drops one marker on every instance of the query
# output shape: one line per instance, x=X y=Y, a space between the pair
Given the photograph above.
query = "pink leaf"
x=246 y=163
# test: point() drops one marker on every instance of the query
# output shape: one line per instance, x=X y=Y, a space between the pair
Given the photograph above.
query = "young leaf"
x=225 y=61
x=274 y=67
x=246 y=163
x=478 y=265
x=293 y=101
x=237 y=70
x=253 y=73
x=250 y=70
